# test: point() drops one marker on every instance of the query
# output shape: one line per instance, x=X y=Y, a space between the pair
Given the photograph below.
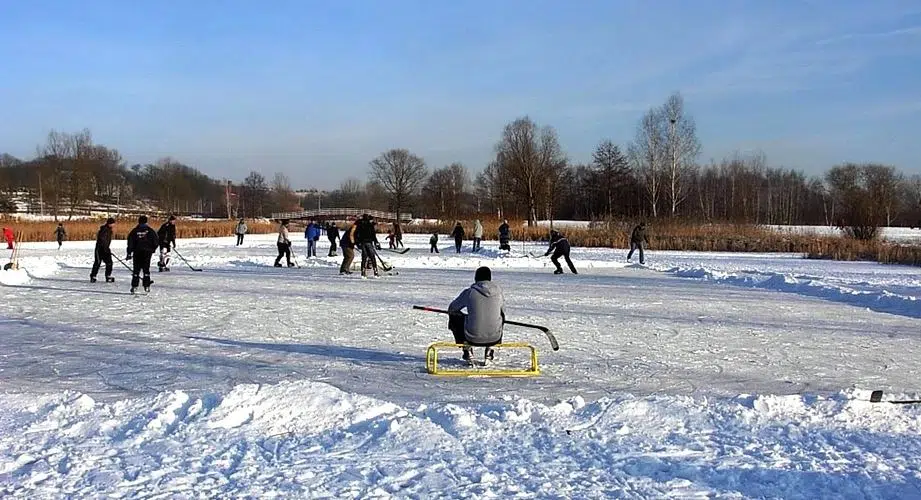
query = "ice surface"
x=729 y=375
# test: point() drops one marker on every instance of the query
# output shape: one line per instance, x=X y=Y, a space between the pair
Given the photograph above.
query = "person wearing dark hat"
x=638 y=240
x=347 y=242
x=284 y=244
x=142 y=243
x=366 y=239
x=60 y=233
x=103 y=253
x=559 y=245
x=332 y=234
x=167 y=236
x=458 y=234
x=482 y=325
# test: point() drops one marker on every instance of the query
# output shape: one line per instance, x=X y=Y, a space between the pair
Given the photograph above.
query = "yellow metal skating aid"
x=431 y=362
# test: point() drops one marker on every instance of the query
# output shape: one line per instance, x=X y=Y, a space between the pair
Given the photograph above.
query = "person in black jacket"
x=638 y=240
x=103 y=253
x=504 y=235
x=559 y=245
x=167 y=236
x=347 y=242
x=458 y=234
x=366 y=240
x=142 y=243
x=332 y=234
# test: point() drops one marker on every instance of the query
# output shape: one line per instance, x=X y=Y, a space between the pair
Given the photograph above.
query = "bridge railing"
x=340 y=214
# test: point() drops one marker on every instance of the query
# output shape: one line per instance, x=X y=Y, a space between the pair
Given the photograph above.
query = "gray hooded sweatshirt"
x=485 y=311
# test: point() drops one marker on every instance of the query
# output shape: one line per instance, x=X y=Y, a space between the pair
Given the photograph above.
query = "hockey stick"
x=553 y=343
x=122 y=263
x=387 y=267
x=401 y=252
x=186 y=262
x=877 y=397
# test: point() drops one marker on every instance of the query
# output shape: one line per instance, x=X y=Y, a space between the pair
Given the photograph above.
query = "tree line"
x=658 y=173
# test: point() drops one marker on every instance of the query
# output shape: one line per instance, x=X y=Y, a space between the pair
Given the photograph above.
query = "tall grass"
x=83 y=230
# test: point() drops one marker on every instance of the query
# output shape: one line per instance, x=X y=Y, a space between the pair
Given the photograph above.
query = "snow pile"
x=307 y=439
x=14 y=277
x=874 y=298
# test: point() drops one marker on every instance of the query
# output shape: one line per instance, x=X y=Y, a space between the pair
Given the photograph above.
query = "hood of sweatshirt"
x=485 y=288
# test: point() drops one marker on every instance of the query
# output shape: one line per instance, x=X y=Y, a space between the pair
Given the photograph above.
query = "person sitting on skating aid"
x=142 y=243
x=103 y=253
x=167 y=236
x=482 y=325
x=559 y=245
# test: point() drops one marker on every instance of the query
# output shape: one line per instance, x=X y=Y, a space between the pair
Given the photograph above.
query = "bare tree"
x=254 y=194
x=530 y=156
x=646 y=152
x=614 y=172
x=681 y=149
x=283 y=196
x=400 y=173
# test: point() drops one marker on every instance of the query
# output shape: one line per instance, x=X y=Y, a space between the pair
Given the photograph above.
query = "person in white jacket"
x=240 y=231
x=477 y=235
x=284 y=244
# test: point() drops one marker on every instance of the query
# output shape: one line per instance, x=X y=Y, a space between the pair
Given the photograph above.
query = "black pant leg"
x=136 y=267
x=96 y=263
x=555 y=258
x=107 y=259
x=456 y=325
x=569 y=263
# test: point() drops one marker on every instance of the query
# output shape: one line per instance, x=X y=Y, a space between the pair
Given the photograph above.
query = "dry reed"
x=84 y=230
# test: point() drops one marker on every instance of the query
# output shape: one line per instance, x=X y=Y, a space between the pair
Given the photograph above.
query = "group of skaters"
x=360 y=235
x=143 y=243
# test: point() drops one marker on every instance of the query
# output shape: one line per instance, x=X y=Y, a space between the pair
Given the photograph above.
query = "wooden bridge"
x=340 y=214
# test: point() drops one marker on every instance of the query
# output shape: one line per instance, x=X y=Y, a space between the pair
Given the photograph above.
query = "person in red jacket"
x=8 y=234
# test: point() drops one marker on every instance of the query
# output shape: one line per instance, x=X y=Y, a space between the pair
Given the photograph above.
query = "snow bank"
x=306 y=439
x=14 y=277
x=874 y=298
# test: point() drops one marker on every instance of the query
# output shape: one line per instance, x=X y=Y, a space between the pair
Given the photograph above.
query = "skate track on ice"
x=622 y=328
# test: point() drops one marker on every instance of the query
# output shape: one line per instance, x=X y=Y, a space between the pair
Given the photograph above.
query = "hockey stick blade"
x=186 y=262
x=877 y=397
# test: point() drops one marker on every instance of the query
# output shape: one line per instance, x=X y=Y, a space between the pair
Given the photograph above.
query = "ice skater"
x=284 y=244
x=366 y=238
x=312 y=233
x=332 y=234
x=433 y=243
x=638 y=240
x=458 y=234
x=482 y=325
x=240 y=231
x=142 y=243
x=167 y=236
x=103 y=254
x=60 y=234
x=477 y=235
x=504 y=236
x=347 y=243
x=559 y=245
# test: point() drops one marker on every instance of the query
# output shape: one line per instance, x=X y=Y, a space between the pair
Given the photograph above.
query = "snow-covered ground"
x=699 y=375
x=893 y=234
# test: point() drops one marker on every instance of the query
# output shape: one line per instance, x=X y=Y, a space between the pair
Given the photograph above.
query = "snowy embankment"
x=308 y=439
x=698 y=375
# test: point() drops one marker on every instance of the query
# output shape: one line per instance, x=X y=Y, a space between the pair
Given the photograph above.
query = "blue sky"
x=318 y=89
